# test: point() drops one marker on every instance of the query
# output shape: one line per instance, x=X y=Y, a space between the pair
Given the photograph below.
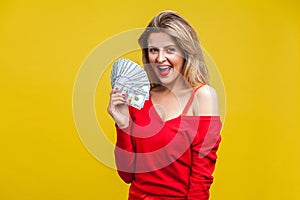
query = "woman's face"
x=165 y=56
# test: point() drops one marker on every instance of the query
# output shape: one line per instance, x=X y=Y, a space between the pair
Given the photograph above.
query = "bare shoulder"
x=206 y=91
x=206 y=100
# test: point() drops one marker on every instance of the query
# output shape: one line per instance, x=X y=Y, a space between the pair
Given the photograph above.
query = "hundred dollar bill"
x=133 y=97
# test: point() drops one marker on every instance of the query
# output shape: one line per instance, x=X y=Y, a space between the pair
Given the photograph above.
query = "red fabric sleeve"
x=125 y=153
x=204 y=148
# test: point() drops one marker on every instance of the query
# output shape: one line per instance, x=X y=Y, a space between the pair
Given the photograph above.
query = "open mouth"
x=164 y=70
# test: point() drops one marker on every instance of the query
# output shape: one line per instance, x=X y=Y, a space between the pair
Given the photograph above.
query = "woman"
x=167 y=150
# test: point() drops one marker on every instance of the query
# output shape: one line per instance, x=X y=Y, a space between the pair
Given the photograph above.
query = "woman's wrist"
x=123 y=126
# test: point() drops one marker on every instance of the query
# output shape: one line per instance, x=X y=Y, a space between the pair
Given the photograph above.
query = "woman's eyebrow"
x=169 y=45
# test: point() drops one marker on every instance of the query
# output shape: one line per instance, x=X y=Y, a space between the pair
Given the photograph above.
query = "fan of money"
x=131 y=80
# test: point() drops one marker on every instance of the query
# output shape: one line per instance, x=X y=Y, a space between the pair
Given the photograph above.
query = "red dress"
x=168 y=160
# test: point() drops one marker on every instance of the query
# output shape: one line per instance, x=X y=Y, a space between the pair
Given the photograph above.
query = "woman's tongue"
x=164 y=71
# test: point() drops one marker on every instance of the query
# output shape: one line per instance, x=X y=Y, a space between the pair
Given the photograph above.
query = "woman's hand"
x=118 y=109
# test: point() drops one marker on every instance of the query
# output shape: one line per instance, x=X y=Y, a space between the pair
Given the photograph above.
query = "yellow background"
x=255 y=44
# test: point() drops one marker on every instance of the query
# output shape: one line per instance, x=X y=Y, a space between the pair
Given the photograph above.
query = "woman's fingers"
x=116 y=99
x=118 y=102
x=113 y=91
x=117 y=95
x=118 y=109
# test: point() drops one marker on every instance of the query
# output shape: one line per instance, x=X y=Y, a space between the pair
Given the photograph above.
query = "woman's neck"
x=178 y=86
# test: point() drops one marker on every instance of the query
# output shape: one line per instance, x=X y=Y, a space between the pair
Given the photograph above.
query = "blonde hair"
x=194 y=69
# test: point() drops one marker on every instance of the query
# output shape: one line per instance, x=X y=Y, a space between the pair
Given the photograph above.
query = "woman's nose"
x=161 y=57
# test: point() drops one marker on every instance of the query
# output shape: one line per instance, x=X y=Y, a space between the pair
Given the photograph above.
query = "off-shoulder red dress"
x=171 y=159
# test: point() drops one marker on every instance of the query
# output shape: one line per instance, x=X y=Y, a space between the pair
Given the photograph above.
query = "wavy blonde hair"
x=194 y=69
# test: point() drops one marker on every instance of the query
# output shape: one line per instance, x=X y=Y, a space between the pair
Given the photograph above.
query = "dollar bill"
x=135 y=97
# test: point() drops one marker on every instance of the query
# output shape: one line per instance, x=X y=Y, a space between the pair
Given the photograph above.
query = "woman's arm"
x=124 y=150
x=205 y=144
x=125 y=154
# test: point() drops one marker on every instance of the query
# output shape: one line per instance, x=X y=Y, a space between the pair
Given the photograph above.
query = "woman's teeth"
x=163 y=68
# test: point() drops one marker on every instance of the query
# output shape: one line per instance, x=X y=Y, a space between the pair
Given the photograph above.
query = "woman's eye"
x=171 y=49
x=153 y=50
